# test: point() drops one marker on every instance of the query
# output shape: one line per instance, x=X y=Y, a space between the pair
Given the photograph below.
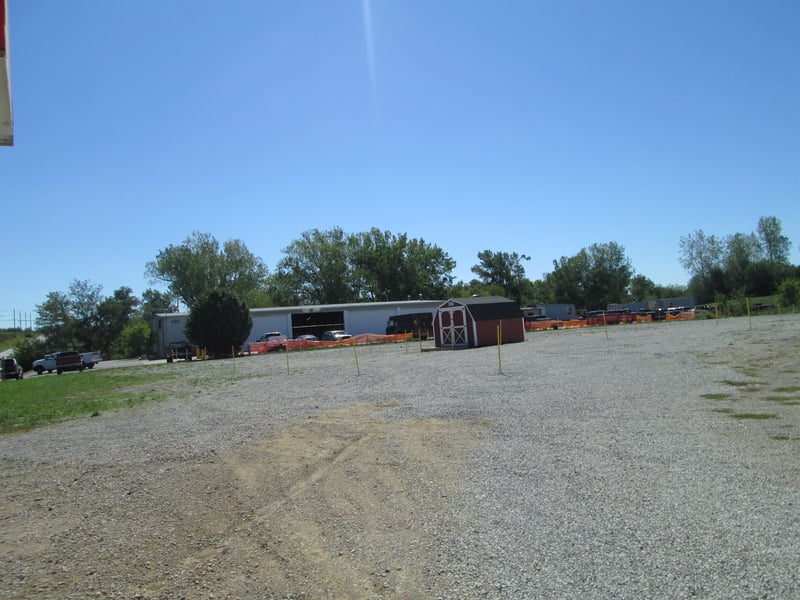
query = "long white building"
x=355 y=318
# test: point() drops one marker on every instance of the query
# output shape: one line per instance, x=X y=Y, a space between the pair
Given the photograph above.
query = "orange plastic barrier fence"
x=686 y=315
x=588 y=322
x=360 y=340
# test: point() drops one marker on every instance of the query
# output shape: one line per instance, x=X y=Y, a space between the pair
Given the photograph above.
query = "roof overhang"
x=6 y=117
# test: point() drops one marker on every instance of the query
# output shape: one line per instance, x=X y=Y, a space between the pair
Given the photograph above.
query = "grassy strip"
x=755 y=416
x=741 y=383
x=786 y=401
x=41 y=400
x=716 y=396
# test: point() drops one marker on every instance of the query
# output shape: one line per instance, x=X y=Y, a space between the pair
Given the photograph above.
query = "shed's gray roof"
x=486 y=308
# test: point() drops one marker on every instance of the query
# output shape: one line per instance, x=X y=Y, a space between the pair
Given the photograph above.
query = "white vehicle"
x=90 y=359
x=48 y=363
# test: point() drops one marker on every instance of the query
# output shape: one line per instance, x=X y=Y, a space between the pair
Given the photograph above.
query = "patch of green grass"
x=785 y=438
x=716 y=396
x=754 y=416
x=791 y=389
x=733 y=383
x=724 y=411
x=36 y=401
x=786 y=401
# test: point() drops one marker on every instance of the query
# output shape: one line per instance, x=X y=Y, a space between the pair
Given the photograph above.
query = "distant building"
x=561 y=312
x=355 y=318
x=661 y=304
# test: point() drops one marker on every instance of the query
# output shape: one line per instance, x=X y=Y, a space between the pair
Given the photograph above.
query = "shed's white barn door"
x=453 y=326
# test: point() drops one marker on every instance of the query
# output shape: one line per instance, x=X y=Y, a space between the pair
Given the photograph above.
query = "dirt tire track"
x=341 y=504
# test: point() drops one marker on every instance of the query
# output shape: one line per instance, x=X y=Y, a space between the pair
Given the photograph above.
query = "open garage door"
x=317 y=323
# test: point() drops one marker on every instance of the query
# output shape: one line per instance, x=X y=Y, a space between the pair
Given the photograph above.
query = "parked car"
x=274 y=336
x=307 y=337
x=336 y=335
x=11 y=369
x=180 y=350
x=271 y=337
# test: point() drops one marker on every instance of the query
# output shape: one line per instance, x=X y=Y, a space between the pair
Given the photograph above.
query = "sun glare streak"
x=367 y=12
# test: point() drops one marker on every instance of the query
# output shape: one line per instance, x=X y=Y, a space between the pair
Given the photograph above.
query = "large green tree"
x=54 y=321
x=157 y=301
x=316 y=269
x=742 y=251
x=328 y=267
x=69 y=320
x=114 y=314
x=426 y=271
x=776 y=245
x=81 y=319
x=642 y=288
x=740 y=265
x=378 y=258
x=219 y=321
x=199 y=265
x=506 y=271
x=701 y=255
x=595 y=277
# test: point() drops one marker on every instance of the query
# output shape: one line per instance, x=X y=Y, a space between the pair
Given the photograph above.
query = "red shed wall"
x=513 y=331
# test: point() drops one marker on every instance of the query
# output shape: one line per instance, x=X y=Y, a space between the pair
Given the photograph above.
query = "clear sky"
x=517 y=126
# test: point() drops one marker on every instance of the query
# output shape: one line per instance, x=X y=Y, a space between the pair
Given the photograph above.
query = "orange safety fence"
x=587 y=322
x=684 y=315
x=359 y=340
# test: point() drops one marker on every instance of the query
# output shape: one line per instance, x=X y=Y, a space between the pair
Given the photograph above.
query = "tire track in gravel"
x=340 y=504
x=343 y=505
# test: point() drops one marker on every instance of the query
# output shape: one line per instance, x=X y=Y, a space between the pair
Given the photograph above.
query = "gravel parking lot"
x=654 y=460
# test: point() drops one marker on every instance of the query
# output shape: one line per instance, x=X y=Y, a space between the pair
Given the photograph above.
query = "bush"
x=219 y=321
x=135 y=339
x=789 y=293
x=28 y=349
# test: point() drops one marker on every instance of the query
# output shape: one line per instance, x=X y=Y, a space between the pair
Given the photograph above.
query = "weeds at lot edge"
x=37 y=401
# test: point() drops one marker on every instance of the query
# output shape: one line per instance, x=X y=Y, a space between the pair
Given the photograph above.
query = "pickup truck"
x=180 y=351
x=59 y=362
x=50 y=362
x=90 y=359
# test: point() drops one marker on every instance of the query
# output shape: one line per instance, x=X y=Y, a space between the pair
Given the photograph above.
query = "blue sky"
x=517 y=126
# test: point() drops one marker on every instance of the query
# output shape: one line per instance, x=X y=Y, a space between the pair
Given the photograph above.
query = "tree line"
x=330 y=267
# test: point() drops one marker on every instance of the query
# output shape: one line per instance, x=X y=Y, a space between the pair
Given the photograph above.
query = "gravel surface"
x=654 y=460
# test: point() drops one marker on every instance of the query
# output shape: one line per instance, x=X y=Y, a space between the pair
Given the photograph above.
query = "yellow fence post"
x=749 y=316
x=355 y=354
x=499 y=344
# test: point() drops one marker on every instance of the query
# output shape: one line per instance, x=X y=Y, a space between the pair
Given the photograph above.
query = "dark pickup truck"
x=69 y=360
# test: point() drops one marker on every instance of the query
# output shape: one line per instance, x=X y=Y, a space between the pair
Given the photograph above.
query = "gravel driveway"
x=654 y=460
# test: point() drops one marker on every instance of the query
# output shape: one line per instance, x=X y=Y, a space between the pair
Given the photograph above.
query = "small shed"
x=473 y=322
